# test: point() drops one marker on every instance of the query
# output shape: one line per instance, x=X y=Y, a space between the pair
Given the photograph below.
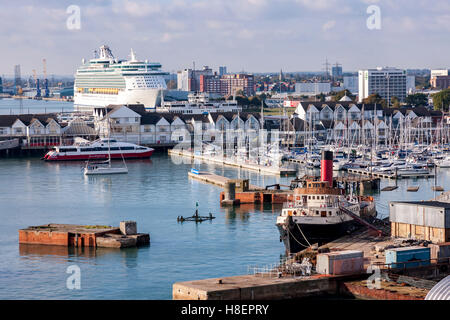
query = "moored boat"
x=320 y=212
x=98 y=149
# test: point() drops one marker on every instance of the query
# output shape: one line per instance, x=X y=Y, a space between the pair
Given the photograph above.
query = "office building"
x=312 y=88
x=386 y=82
x=440 y=79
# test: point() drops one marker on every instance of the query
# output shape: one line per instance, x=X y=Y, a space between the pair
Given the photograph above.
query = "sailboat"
x=104 y=167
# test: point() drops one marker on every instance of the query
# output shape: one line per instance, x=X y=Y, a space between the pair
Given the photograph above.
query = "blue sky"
x=250 y=35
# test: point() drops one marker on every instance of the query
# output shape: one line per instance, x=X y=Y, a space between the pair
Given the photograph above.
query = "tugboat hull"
x=294 y=241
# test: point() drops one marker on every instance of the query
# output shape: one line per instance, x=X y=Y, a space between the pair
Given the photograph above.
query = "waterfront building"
x=421 y=220
x=36 y=131
x=386 y=82
x=132 y=123
x=199 y=103
x=344 y=119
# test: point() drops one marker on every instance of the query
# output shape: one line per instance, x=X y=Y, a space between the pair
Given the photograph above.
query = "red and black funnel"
x=326 y=167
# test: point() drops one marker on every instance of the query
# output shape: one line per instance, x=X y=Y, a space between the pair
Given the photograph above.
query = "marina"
x=235 y=163
x=246 y=228
x=170 y=150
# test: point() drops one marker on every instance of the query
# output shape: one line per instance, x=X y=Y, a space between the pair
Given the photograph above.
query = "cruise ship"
x=106 y=80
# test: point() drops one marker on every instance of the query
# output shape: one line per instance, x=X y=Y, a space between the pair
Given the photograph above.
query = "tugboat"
x=319 y=212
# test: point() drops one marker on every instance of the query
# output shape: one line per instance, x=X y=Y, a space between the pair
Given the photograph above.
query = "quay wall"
x=44 y=237
x=259 y=289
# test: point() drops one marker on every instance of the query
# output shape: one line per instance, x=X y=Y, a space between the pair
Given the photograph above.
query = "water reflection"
x=34 y=250
x=243 y=211
x=127 y=256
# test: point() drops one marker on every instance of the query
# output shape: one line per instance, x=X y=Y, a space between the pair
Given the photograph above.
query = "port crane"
x=38 y=89
x=46 y=90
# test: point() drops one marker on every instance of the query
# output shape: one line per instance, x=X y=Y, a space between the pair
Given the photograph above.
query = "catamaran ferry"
x=106 y=80
x=99 y=149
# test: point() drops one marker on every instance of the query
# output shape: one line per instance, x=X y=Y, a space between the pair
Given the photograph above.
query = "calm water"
x=154 y=193
x=12 y=106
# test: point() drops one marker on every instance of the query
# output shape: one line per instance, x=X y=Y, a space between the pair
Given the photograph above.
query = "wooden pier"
x=230 y=162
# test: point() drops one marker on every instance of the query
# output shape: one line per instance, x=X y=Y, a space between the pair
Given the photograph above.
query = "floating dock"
x=240 y=191
x=215 y=179
x=389 y=175
x=229 y=162
x=71 y=235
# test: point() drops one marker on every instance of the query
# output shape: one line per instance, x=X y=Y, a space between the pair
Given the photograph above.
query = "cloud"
x=328 y=25
x=248 y=34
x=136 y=8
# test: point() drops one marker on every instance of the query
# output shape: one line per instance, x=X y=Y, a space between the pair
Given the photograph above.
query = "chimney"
x=326 y=167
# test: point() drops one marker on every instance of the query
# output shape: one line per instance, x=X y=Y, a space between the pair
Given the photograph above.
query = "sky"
x=244 y=35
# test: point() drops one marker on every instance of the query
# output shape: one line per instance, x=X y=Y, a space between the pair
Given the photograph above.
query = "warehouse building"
x=422 y=220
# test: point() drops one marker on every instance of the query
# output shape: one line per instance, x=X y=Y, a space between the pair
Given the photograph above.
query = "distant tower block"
x=17 y=80
x=128 y=227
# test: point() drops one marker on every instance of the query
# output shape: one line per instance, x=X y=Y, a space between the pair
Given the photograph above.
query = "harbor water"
x=154 y=193
x=30 y=106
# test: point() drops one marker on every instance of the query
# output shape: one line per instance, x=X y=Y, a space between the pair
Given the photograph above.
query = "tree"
x=417 y=99
x=254 y=101
x=321 y=97
x=342 y=93
x=375 y=98
x=441 y=100
x=395 y=102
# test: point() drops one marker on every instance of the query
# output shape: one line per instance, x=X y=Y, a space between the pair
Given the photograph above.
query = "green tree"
x=321 y=97
x=441 y=100
x=254 y=101
x=342 y=93
x=395 y=102
x=375 y=98
x=417 y=99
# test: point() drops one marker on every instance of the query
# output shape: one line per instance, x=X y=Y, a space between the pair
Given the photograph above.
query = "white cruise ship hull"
x=88 y=101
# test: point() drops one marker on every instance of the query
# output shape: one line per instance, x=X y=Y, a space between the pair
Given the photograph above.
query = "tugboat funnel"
x=326 y=167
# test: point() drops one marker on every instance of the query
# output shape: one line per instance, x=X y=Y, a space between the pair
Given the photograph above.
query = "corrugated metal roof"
x=441 y=291
x=431 y=203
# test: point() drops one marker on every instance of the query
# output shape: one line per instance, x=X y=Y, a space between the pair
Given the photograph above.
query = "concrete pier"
x=70 y=235
x=254 y=287
x=230 y=162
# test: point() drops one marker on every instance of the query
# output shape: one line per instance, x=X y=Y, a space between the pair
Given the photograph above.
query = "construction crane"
x=38 y=89
x=46 y=90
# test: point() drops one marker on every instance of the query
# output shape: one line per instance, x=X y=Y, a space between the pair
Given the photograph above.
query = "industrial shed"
x=424 y=220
